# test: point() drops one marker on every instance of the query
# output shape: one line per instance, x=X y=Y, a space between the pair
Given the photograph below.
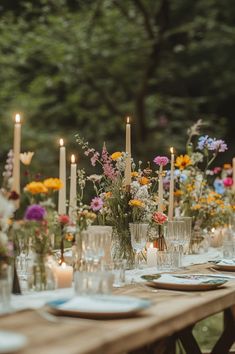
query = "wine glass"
x=138 y=238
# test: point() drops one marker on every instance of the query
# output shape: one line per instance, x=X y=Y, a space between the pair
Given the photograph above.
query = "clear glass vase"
x=196 y=245
x=122 y=248
x=41 y=275
x=5 y=287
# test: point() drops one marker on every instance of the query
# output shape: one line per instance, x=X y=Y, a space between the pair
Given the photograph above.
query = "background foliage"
x=82 y=66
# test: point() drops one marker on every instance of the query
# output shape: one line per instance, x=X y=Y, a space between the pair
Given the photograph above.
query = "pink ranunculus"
x=228 y=182
x=159 y=218
x=161 y=160
x=96 y=204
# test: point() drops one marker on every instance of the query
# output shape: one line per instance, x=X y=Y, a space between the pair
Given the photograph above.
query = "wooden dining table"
x=171 y=317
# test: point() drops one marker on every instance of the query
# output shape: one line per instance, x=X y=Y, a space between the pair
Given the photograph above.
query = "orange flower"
x=227 y=166
x=108 y=195
x=54 y=184
x=36 y=188
x=116 y=155
x=183 y=161
x=144 y=181
x=178 y=193
x=134 y=174
x=136 y=203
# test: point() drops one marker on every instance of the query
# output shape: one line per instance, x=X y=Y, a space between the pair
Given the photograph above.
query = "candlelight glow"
x=63 y=265
x=172 y=150
x=17 y=118
x=61 y=142
x=213 y=229
x=72 y=158
x=128 y=120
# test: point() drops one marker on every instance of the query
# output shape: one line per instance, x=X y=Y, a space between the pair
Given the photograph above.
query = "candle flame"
x=128 y=120
x=172 y=150
x=72 y=158
x=17 y=118
x=63 y=265
x=61 y=142
x=213 y=229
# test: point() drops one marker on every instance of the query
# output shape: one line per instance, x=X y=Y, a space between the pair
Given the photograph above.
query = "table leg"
x=227 y=338
x=189 y=342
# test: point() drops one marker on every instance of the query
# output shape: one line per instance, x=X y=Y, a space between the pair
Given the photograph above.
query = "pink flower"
x=161 y=160
x=159 y=218
x=96 y=204
x=217 y=170
x=228 y=182
x=109 y=170
x=95 y=158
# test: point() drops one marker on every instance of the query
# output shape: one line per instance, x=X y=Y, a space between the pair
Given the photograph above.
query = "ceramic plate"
x=99 y=306
x=225 y=264
x=11 y=342
x=191 y=282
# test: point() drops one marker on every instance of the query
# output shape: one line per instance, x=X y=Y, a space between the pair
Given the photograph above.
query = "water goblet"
x=138 y=239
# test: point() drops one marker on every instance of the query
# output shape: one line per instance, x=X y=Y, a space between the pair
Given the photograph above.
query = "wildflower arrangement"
x=115 y=205
x=194 y=194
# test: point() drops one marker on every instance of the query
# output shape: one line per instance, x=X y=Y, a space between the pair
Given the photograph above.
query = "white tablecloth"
x=37 y=299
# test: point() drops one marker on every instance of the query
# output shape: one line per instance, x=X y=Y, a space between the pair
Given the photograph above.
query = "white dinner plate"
x=99 y=306
x=11 y=342
x=191 y=282
x=226 y=264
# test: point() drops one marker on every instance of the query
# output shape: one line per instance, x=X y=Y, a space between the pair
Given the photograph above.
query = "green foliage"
x=82 y=66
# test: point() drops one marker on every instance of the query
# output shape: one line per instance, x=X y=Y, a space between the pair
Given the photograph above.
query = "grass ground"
x=206 y=333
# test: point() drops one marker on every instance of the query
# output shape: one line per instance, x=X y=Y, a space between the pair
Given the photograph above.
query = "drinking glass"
x=117 y=268
x=185 y=242
x=138 y=239
x=175 y=235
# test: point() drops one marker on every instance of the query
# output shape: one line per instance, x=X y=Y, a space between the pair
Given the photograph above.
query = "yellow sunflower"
x=183 y=161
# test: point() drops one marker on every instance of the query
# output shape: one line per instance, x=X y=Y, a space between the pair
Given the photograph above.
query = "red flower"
x=64 y=219
x=159 y=218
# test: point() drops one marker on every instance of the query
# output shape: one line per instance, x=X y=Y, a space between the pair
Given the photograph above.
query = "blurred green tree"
x=82 y=66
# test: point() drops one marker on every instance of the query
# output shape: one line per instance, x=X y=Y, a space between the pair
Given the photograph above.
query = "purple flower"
x=219 y=145
x=35 y=212
x=161 y=160
x=204 y=142
x=96 y=204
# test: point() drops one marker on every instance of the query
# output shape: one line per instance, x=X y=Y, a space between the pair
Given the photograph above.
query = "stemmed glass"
x=138 y=239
